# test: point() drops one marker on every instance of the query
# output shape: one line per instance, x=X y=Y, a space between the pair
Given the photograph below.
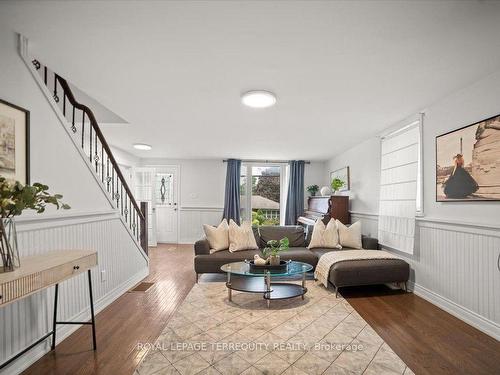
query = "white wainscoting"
x=369 y=222
x=455 y=266
x=192 y=220
x=24 y=321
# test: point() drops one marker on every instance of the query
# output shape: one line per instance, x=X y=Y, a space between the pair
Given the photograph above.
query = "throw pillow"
x=350 y=236
x=218 y=237
x=325 y=236
x=241 y=237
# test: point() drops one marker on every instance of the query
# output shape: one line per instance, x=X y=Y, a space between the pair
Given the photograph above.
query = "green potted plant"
x=14 y=199
x=312 y=189
x=336 y=184
x=274 y=248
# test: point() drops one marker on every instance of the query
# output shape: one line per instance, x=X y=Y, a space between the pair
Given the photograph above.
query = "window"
x=261 y=192
x=401 y=186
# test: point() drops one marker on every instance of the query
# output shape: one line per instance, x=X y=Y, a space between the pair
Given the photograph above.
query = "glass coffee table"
x=242 y=279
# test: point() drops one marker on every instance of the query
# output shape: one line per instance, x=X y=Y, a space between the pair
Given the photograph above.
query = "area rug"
x=318 y=335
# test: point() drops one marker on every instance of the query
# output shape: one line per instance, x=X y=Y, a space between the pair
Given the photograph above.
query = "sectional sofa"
x=349 y=273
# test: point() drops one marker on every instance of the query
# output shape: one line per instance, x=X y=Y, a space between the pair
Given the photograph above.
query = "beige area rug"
x=318 y=335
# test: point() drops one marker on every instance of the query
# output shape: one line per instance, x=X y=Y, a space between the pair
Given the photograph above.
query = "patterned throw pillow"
x=350 y=236
x=325 y=236
x=218 y=237
x=241 y=237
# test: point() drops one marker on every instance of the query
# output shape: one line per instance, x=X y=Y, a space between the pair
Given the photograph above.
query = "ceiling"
x=342 y=71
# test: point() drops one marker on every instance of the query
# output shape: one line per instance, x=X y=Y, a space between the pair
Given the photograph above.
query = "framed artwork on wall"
x=14 y=142
x=342 y=174
x=468 y=163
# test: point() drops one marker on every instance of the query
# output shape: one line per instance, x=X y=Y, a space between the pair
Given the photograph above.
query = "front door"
x=166 y=198
x=143 y=182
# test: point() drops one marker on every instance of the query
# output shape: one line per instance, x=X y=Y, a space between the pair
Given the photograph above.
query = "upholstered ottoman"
x=369 y=272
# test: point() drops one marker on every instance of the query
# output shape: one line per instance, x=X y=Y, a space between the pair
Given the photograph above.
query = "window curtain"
x=295 y=195
x=232 y=195
x=399 y=188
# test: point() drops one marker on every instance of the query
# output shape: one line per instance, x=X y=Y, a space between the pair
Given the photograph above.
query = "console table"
x=39 y=272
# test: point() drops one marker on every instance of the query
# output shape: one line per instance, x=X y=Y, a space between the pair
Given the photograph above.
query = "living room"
x=248 y=187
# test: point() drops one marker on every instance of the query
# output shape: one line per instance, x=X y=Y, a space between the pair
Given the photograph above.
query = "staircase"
x=87 y=136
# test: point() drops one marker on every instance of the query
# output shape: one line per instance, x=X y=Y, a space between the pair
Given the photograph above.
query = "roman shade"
x=400 y=188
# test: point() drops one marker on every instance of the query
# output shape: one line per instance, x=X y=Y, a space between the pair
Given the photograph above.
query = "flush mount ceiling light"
x=142 y=146
x=258 y=99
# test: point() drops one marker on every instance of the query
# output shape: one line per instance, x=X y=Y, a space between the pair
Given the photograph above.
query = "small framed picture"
x=468 y=163
x=342 y=174
x=14 y=142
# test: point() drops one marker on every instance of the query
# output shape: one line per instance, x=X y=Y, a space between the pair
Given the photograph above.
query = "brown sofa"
x=359 y=272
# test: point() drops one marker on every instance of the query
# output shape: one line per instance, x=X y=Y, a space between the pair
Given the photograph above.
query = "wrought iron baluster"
x=102 y=163
x=125 y=212
x=83 y=132
x=113 y=183
x=108 y=178
x=73 y=127
x=56 y=98
x=64 y=104
x=121 y=201
x=96 y=156
x=90 y=142
x=45 y=75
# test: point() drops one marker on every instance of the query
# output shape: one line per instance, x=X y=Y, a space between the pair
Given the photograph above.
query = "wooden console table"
x=42 y=271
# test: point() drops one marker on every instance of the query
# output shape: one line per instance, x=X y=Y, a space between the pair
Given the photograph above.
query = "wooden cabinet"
x=338 y=208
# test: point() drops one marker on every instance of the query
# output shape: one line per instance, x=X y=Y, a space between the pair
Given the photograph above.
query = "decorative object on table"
x=313 y=189
x=468 y=163
x=274 y=248
x=337 y=184
x=258 y=261
x=14 y=142
x=14 y=199
x=325 y=191
x=343 y=174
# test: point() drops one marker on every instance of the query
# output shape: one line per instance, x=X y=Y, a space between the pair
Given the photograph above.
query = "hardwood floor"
x=134 y=317
x=428 y=339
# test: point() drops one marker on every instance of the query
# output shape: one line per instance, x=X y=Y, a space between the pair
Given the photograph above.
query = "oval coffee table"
x=240 y=278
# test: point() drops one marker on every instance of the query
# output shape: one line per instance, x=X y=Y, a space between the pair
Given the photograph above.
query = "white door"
x=166 y=198
x=144 y=192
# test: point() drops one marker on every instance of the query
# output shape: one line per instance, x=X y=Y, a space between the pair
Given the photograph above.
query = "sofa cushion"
x=294 y=233
x=211 y=263
x=368 y=272
x=300 y=254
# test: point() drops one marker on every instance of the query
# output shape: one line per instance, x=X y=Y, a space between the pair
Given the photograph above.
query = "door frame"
x=177 y=185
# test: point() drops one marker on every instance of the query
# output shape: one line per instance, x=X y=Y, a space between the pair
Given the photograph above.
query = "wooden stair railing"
x=97 y=150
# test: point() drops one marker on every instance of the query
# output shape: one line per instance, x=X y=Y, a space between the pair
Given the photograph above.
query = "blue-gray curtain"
x=295 y=196
x=232 y=197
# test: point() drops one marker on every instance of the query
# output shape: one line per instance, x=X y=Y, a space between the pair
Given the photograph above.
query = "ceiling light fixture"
x=142 y=146
x=258 y=99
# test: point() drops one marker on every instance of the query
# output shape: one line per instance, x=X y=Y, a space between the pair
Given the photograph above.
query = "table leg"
x=303 y=282
x=53 y=346
x=229 y=291
x=268 y=285
x=94 y=341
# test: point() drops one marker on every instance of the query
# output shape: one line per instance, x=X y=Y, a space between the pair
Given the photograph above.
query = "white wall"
x=363 y=161
x=313 y=175
x=92 y=223
x=457 y=244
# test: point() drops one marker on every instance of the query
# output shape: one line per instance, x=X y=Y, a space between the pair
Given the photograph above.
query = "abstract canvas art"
x=468 y=163
x=14 y=142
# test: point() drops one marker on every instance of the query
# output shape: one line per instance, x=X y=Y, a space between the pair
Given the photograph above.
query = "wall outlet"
x=103 y=276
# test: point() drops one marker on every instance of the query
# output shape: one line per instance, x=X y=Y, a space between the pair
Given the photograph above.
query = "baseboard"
x=477 y=321
x=64 y=331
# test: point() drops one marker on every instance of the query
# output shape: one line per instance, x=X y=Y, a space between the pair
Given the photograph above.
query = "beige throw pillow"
x=218 y=237
x=350 y=236
x=241 y=237
x=325 y=236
